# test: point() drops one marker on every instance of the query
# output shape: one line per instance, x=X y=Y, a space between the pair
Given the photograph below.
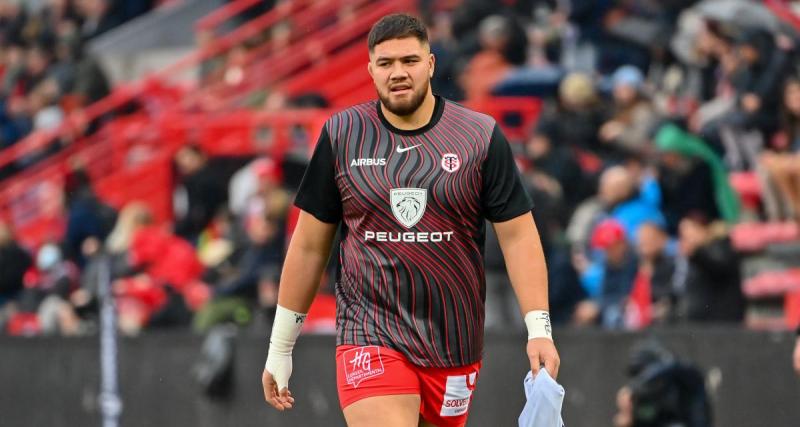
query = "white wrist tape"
x=538 y=324
x=285 y=331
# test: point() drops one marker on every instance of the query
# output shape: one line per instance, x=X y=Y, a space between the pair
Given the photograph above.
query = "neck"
x=419 y=118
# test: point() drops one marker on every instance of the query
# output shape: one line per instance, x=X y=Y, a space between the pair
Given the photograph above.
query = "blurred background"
x=149 y=151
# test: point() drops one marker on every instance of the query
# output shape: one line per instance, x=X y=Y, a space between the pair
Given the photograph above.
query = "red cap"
x=267 y=168
x=607 y=233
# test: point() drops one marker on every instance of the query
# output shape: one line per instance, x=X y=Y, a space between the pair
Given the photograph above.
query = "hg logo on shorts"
x=362 y=363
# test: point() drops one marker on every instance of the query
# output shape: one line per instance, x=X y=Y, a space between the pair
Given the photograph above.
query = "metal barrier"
x=54 y=382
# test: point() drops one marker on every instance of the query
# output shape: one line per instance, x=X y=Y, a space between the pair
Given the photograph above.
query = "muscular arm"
x=305 y=261
x=522 y=250
x=306 y=258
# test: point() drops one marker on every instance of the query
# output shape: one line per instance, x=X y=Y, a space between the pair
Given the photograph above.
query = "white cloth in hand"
x=544 y=399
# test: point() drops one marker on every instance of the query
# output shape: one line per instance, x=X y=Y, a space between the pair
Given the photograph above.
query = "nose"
x=398 y=72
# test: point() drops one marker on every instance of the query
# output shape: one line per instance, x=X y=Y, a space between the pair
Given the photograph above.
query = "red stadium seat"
x=748 y=187
x=755 y=236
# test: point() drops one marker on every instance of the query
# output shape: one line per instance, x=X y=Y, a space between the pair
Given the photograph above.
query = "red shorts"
x=445 y=393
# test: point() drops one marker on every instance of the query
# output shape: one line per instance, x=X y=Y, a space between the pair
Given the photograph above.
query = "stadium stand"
x=613 y=113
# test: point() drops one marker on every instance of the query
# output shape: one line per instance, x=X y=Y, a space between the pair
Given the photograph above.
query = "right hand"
x=797 y=356
x=275 y=381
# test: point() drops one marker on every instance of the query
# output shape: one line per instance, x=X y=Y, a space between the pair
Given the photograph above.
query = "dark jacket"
x=14 y=261
x=713 y=285
x=205 y=192
x=687 y=193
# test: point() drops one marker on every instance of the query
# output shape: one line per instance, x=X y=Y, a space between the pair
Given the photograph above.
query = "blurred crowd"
x=648 y=106
x=46 y=71
x=221 y=258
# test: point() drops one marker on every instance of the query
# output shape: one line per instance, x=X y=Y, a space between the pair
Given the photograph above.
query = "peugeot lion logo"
x=408 y=205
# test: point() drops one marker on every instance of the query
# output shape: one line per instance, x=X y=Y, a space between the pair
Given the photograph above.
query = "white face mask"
x=49 y=255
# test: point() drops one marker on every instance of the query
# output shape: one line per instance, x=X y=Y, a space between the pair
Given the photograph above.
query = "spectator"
x=37 y=64
x=14 y=261
x=78 y=74
x=47 y=114
x=12 y=20
x=55 y=14
x=713 y=284
x=48 y=286
x=235 y=295
x=764 y=61
x=652 y=297
x=489 y=66
x=445 y=48
x=576 y=120
x=554 y=175
x=619 y=198
x=98 y=17
x=693 y=179
x=629 y=127
x=782 y=163
x=199 y=195
x=87 y=215
x=608 y=277
x=162 y=271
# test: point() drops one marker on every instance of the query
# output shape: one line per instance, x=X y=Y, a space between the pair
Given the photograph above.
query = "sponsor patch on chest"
x=368 y=162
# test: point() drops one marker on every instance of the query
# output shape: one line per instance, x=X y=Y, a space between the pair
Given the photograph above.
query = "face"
x=791 y=98
x=749 y=53
x=616 y=254
x=651 y=241
x=615 y=185
x=188 y=161
x=36 y=61
x=538 y=146
x=692 y=235
x=401 y=70
x=624 y=94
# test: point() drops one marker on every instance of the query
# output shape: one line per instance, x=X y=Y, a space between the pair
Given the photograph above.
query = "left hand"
x=542 y=351
x=796 y=356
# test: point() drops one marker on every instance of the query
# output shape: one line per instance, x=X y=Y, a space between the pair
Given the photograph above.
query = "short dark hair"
x=396 y=26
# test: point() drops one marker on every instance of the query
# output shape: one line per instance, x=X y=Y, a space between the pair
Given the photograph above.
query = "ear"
x=432 y=64
x=369 y=69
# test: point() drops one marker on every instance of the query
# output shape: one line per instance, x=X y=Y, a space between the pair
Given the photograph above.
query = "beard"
x=407 y=106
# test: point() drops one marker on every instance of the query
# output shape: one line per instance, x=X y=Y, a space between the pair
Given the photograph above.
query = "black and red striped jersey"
x=412 y=207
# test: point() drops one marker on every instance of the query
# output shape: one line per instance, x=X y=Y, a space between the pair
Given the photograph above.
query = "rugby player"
x=411 y=179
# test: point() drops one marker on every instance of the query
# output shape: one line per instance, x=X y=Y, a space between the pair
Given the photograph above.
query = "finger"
x=271 y=392
x=285 y=397
x=551 y=366
x=272 y=399
x=557 y=363
x=535 y=363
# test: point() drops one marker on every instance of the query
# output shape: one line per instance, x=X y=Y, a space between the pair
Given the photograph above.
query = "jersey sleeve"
x=504 y=197
x=318 y=193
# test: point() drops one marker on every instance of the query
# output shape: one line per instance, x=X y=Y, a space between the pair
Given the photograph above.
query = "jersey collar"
x=438 y=109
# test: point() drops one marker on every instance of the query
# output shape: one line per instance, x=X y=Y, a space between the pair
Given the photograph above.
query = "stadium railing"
x=221 y=15
x=133 y=162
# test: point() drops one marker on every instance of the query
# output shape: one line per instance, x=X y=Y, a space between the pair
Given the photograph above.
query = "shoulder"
x=350 y=115
x=484 y=122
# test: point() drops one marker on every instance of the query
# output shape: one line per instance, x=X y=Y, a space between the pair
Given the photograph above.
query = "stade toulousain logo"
x=408 y=204
x=450 y=162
